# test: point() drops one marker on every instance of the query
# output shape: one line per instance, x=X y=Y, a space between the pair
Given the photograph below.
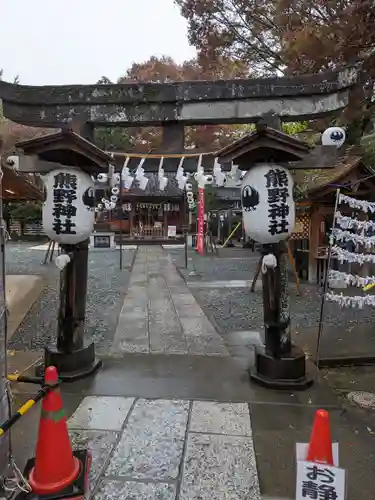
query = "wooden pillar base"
x=285 y=373
x=71 y=366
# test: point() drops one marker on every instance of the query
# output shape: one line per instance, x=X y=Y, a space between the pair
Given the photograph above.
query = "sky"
x=57 y=42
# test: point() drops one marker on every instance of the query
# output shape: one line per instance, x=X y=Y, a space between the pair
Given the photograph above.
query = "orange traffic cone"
x=320 y=445
x=55 y=467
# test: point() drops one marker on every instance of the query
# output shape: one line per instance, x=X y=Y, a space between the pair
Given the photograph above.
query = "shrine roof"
x=66 y=147
x=16 y=186
x=260 y=144
x=313 y=180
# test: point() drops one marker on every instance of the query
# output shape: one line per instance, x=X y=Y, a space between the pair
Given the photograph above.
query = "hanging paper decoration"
x=359 y=239
x=68 y=212
x=140 y=175
x=358 y=301
x=351 y=279
x=218 y=174
x=127 y=179
x=267 y=203
x=350 y=229
x=343 y=255
x=116 y=180
x=235 y=173
x=365 y=206
x=346 y=222
x=190 y=196
x=163 y=181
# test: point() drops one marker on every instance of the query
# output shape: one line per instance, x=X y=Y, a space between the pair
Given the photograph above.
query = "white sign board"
x=319 y=482
x=172 y=231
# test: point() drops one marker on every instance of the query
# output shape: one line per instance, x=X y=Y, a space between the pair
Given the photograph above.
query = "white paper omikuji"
x=346 y=256
x=358 y=239
x=351 y=279
x=350 y=229
x=365 y=206
x=346 y=222
x=355 y=302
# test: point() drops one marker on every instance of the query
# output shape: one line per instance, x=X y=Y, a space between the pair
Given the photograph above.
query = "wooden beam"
x=32 y=165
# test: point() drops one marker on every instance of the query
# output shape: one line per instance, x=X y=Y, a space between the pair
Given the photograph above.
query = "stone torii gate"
x=172 y=106
x=175 y=105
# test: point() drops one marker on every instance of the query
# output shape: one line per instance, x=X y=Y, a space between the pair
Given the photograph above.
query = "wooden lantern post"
x=73 y=358
x=280 y=365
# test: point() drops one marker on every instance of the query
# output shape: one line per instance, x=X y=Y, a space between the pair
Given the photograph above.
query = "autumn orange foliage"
x=165 y=69
x=291 y=37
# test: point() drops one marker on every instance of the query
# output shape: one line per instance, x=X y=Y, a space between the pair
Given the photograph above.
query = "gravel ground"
x=106 y=288
x=211 y=268
x=232 y=309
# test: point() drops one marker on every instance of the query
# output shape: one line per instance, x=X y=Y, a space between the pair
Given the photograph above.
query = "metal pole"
x=325 y=285
x=121 y=212
x=186 y=249
x=231 y=234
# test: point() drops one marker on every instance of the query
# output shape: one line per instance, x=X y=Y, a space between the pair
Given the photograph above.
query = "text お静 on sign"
x=319 y=482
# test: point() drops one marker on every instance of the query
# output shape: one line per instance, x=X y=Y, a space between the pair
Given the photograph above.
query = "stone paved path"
x=167 y=450
x=160 y=315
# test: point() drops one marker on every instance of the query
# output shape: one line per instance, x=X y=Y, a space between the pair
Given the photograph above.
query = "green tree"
x=26 y=213
x=112 y=138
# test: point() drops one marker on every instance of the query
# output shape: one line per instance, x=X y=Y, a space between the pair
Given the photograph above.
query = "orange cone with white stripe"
x=55 y=466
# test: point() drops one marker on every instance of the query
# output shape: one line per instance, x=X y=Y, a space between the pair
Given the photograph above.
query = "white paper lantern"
x=102 y=178
x=116 y=179
x=267 y=203
x=334 y=136
x=114 y=198
x=69 y=209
